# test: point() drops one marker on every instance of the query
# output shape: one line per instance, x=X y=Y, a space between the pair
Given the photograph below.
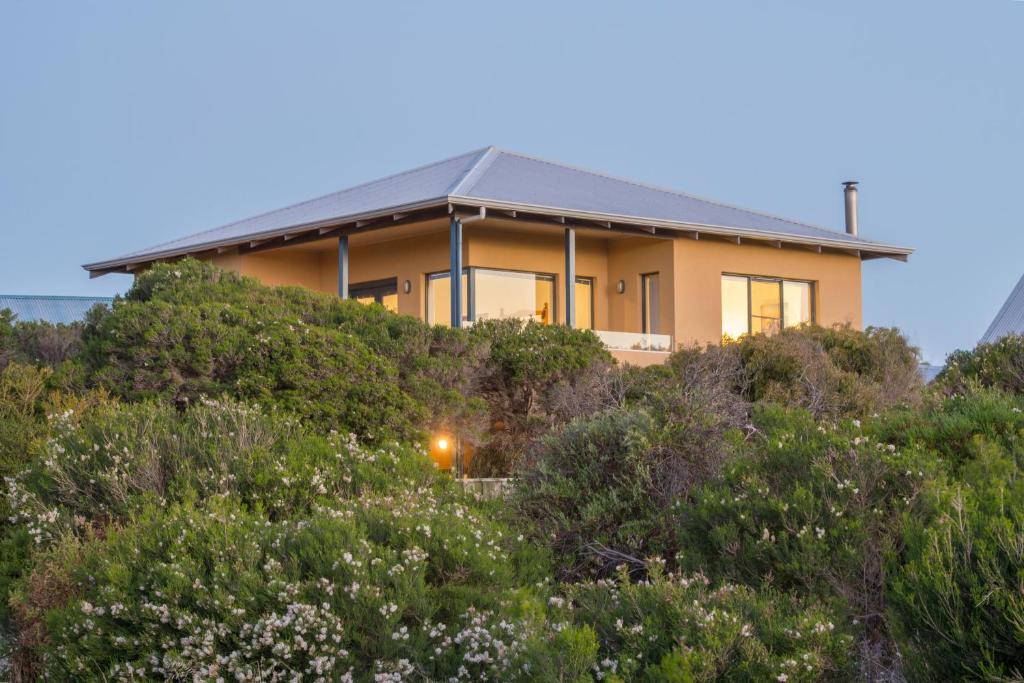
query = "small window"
x=761 y=305
x=650 y=306
x=383 y=292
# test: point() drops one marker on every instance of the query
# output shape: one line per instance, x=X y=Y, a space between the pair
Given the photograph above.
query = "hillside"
x=217 y=480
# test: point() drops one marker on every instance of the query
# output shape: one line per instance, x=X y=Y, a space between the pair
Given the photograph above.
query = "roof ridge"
x=472 y=175
x=680 y=193
x=311 y=200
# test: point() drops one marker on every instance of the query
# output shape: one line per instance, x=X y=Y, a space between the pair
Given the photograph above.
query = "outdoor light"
x=442 y=443
x=407 y=286
x=621 y=287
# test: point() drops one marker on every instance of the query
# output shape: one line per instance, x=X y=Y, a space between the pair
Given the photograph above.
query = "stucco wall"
x=699 y=265
x=506 y=248
x=690 y=271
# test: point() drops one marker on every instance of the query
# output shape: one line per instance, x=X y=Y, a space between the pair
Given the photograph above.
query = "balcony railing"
x=635 y=341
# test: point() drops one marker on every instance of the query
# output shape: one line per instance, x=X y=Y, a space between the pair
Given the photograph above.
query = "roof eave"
x=866 y=249
x=111 y=265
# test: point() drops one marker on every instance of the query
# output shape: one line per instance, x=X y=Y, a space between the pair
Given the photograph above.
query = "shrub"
x=535 y=377
x=678 y=628
x=813 y=510
x=832 y=372
x=956 y=585
x=187 y=329
x=997 y=365
x=601 y=489
x=132 y=506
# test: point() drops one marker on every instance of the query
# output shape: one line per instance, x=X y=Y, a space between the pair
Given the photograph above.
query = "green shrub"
x=832 y=372
x=37 y=342
x=534 y=377
x=997 y=365
x=601 y=490
x=956 y=585
x=187 y=329
x=673 y=628
x=814 y=509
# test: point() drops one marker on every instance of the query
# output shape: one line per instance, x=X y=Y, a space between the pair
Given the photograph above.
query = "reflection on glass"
x=439 y=299
x=796 y=297
x=584 y=303
x=508 y=294
x=651 y=304
x=735 y=311
x=765 y=306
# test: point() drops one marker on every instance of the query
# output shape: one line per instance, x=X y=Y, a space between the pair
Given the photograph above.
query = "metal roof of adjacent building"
x=53 y=309
x=496 y=178
x=1010 y=319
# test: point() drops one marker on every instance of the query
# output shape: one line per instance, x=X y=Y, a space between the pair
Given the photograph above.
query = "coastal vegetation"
x=217 y=480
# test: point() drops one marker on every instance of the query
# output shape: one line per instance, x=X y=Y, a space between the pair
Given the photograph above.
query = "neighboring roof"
x=54 y=309
x=1010 y=319
x=497 y=179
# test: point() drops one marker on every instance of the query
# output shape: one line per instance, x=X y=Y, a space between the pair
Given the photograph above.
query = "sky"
x=125 y=124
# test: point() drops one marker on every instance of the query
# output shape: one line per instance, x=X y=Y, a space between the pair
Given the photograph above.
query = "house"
x=1010 y=319
x=53 y=309
x=647 y=269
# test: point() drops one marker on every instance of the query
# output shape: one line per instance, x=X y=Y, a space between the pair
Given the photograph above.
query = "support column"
x=343 y=266
x=570 y=277
x=455 y=245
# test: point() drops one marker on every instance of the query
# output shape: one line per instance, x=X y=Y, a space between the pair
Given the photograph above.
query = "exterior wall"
x=628 y=259
x=690 y=272
x=510 y=249
x=407 y=258
x=698 y=286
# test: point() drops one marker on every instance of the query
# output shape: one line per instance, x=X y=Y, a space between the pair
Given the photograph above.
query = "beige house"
x=647 y=269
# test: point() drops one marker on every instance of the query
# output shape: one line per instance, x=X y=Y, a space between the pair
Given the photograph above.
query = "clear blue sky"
x=124 y=124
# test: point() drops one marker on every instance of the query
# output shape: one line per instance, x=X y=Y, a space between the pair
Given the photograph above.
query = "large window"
x=383 y=292
x=650 y=292
x=491 y=294
x=511 y=294
x=752 y=305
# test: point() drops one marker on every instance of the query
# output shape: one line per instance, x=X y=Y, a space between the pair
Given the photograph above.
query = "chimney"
x=851 y=206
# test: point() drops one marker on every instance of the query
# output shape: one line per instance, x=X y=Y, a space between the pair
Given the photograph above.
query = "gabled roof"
x=497 y=179
x=1010 y=319
x=53 y=309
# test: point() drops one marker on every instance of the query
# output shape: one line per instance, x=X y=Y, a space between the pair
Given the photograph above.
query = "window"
x=650 y=304
x=752 y=305
x=512 y=294
x=584 y=292
x=383 y=292
x=439 y=298
x=491 y=294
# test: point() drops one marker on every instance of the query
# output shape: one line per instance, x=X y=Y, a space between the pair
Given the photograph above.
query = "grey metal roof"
x=1010 y=319
x=54 y=309
x=492 y=177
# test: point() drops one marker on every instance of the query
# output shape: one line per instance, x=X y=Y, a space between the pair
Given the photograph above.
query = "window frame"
x=584 y=279
x=812 y=284
x=470 y=293
x=644 y=322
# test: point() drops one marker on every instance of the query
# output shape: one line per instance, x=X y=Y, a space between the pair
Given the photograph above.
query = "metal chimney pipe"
x=851 y=206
